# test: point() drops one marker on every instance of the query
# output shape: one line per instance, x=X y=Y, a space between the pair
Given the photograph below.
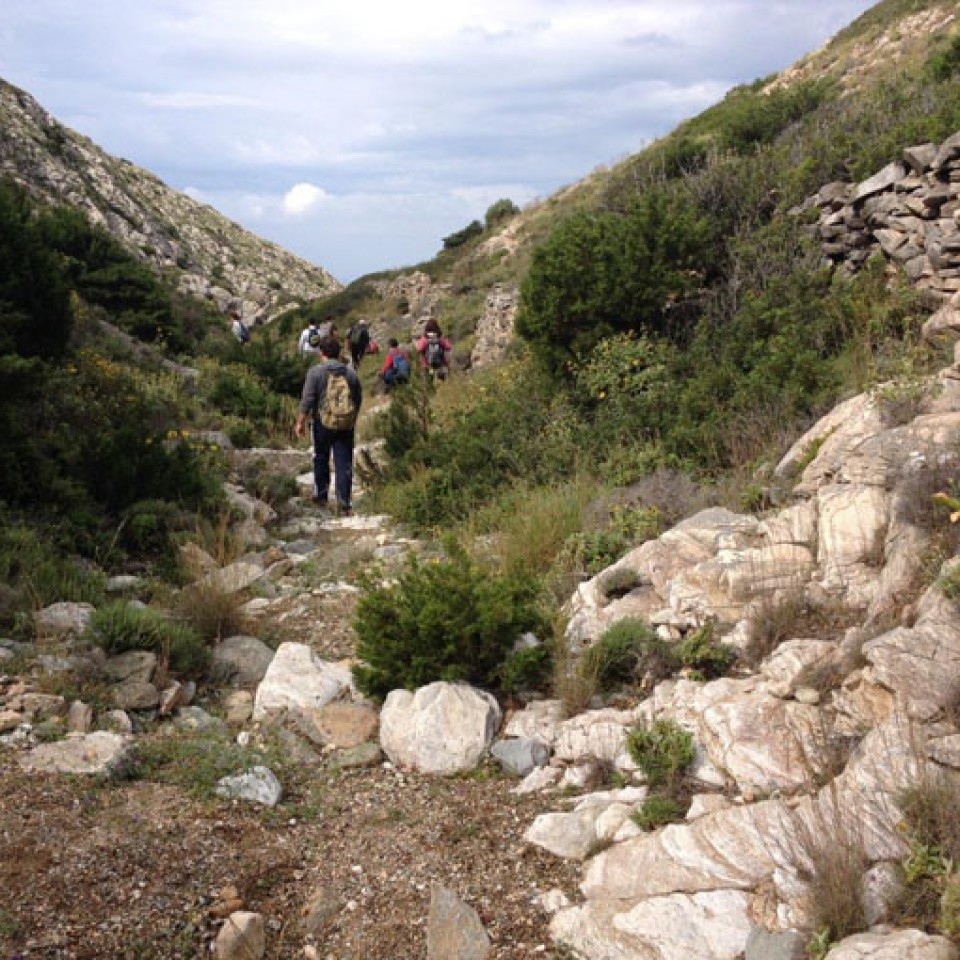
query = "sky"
x=359 y=133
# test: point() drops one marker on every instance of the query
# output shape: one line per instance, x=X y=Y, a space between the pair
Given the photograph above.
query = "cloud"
x=414 y=116
x=195 y=100
x=302 y=198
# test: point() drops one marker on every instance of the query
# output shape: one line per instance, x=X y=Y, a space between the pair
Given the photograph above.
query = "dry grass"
x=211 y=611
x=830 y=855
x=216 y=536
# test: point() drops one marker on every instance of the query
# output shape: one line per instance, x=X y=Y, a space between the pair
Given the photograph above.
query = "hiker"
x=358 y=337
x=331 y=397
x=435 y=350
x=396 y=366
x=238 y=328
x=313 y=335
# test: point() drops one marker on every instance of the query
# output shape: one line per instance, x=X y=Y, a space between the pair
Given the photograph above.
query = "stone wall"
x=909 y=212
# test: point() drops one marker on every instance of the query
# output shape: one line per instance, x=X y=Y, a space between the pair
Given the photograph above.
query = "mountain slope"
x=214 y=256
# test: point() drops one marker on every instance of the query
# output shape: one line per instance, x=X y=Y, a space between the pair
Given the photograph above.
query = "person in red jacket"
x=396 y=366
x=435 y=350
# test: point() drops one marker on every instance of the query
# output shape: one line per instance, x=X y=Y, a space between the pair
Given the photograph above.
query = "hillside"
x=212 y=256
x=643 y=642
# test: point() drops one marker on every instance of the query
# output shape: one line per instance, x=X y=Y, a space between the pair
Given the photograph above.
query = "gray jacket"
x=315 y=386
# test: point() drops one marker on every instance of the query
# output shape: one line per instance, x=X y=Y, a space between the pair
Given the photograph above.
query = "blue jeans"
x=340 y=442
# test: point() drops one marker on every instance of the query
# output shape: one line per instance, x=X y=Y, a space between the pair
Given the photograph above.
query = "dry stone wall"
x=909 y=212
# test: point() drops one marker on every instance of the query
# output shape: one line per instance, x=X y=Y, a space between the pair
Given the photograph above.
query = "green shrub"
x=704 y=655
x=658 y=811
x=662 y=751
x=458 y=239
x=627 y=653
x=118 y=627
x=499 y=211
x=442 y=620
x=525 y=670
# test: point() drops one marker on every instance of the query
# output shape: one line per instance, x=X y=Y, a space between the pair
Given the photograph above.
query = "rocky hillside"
x=213 y=256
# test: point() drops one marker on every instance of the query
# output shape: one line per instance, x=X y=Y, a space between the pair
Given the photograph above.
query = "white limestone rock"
x=442 y=728
x=897 y=945
x=297 y=679
x=98 y=753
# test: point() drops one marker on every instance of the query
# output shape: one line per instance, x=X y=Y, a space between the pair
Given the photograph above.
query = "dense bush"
x=629 y=652
x=603 y=273
x=499 y=211
x=442 y=620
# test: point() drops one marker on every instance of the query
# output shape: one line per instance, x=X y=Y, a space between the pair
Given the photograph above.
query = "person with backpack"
x=396 y=366
x=358 y=337
x=239 y=329
x=331 y=398
x=313 y=335
x=435 y=350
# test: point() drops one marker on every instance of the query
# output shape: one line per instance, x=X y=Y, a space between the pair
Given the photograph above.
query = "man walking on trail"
x=358 y=337
x=331 y=397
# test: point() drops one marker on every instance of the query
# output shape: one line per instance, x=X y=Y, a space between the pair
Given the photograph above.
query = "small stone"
x=242 y=937
x=79 y=717
x=10 y=720
x=136 y=695
x=258 y=785
x=454 y=930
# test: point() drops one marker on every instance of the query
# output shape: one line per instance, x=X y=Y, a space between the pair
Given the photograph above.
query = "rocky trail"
x=144 y=861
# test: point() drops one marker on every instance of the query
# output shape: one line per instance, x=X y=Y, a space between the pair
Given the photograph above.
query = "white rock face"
x=901 y=945
x=707 y=926
x=297 y=679
x=442 y=728
x=92 y=753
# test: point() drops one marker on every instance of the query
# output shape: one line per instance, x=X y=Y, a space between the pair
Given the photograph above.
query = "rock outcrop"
x=215 y=257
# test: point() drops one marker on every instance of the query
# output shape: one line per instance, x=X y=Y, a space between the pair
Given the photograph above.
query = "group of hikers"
x=332 y=393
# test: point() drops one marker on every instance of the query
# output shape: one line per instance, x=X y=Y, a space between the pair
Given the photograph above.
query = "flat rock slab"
x=93 y=753
x=454 y=930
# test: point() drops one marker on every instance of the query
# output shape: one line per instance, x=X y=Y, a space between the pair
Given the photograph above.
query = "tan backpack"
x=338 y=412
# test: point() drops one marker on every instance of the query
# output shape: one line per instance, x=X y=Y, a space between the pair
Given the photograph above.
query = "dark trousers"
x=340 y=443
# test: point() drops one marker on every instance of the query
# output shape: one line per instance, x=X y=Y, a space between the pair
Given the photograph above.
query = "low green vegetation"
x=120 y=626
x=663 y=751
x=444 y=619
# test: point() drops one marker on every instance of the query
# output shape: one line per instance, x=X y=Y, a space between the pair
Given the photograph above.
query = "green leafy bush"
x=658 y=811
x=700 y=652
x=499 y=211
x=663 y=750
x=120 y=626
x=527 y=669
x=628 y=652
x=442 y=620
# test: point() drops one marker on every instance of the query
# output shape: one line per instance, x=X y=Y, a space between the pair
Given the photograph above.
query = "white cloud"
x=414 y=117
x=195 y=100
x=302 y=198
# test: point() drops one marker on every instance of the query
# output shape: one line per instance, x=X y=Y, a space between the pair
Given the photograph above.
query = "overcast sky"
x=358 y=134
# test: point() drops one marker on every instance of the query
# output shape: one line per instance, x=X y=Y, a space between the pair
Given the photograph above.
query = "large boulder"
x=897 y=945
x=442 y=728
x=240 y=661
x=298 y=680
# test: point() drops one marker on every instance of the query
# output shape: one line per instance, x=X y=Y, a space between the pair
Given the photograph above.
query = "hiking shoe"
x=343 y=510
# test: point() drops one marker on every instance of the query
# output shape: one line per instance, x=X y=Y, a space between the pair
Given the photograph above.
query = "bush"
x=700 y=652
x=119 y=627
x=526 y=670
x=442 y=620
x=662 y=751
x=658 y=811
x=499 y=211
x=628 y=652
x=458 y=239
